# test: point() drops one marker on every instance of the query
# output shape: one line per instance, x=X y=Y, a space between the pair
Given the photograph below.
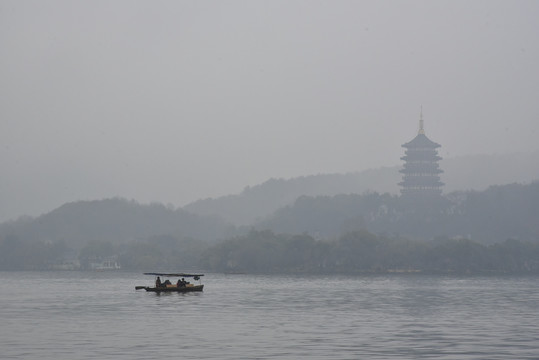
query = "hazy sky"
x=172 y=101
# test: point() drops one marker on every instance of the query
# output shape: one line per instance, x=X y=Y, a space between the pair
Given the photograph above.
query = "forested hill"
x=322 y=205
x=385 y=235
x=494 y=215
x=476 y=172
x=263 y=199
x=115 y=220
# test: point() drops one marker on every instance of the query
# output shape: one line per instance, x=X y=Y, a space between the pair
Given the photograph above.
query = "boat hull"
x=174 y=288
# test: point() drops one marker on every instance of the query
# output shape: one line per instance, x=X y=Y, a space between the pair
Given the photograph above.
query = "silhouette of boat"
x=181 y=285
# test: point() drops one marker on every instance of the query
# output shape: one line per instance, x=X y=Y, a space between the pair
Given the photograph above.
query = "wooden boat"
x=181 y=285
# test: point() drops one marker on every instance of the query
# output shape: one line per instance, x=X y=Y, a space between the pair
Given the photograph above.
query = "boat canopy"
x=175 y=274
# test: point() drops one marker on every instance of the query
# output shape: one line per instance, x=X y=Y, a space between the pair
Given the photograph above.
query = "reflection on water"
x=76 y=315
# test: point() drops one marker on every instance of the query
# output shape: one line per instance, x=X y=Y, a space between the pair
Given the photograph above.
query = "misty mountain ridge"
x=322 y=205
x=473 y=172
x=116 y=220
x=261 y=200
x=154 y=236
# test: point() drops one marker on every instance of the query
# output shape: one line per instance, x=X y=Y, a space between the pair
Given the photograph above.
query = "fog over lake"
x=177 y=100
x=355 y=179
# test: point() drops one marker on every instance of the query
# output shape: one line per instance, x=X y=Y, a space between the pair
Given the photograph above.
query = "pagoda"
x=421 y=172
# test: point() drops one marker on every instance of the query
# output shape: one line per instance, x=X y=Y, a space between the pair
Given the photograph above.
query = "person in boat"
x=158 y=282
x=167 y=282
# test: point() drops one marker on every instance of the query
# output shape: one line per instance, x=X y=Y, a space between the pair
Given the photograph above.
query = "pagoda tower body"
x=421 y=172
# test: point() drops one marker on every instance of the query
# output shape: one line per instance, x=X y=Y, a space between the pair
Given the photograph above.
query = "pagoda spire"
x=421 y=130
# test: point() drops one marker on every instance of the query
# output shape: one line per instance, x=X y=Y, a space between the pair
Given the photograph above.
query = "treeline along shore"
x=364 y=252
x=267 y=252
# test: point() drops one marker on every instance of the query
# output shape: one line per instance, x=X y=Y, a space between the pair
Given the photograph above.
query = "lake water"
x=84 y=315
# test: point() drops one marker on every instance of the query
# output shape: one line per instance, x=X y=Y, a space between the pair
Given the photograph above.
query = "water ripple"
x=100 y=315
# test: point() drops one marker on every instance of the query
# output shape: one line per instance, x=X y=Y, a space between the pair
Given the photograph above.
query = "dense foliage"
x=155 y=253
x=363 y=252
x=490 y=216
x=267 y=252
x=16 y=254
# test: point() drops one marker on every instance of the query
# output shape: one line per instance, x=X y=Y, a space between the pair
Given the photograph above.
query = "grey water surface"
x=83 y=315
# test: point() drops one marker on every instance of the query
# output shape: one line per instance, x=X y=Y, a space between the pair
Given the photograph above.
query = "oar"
x=140 y=287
